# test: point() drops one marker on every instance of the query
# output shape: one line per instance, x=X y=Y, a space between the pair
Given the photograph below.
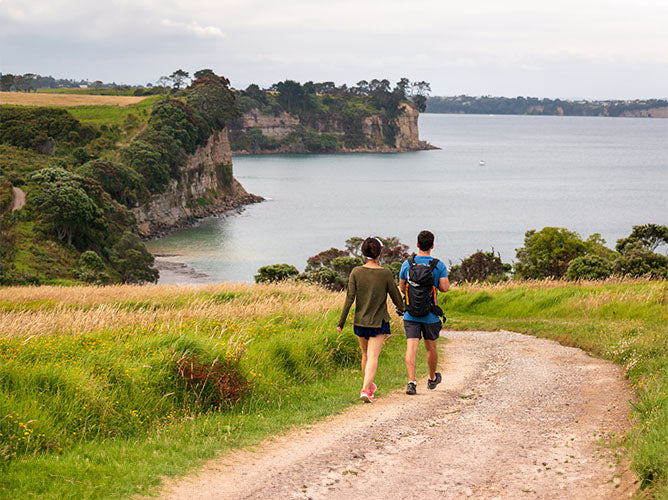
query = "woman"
x=368 y=287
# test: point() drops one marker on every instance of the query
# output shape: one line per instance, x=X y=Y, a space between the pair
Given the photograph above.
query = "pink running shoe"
x=373 y=388
x=366 y=396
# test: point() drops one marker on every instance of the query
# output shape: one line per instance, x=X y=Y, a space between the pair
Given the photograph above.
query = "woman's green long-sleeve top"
x=368 y=288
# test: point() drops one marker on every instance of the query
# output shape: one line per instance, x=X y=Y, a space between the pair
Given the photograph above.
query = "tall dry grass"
x=38 y=99
x=35 y=311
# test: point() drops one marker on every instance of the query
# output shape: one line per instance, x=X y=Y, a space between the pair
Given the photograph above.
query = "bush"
x=122 y=183
x=325 y=276
x=637 y=260
x=547 y=253
x=91 y=268
x=480 y=266
x=275 y=272
x=589 y=267
x=132 y=261
x=146 y=160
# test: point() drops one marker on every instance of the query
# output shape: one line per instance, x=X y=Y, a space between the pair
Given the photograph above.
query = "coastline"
x=424 y=146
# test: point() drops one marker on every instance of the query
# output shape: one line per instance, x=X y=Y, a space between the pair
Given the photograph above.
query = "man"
x=427 y=326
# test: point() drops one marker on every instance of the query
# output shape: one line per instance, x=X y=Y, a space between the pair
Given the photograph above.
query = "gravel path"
x=515 y=417
x=19 y=199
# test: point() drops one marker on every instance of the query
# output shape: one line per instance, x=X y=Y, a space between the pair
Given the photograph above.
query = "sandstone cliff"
x=281 y=133
x=206 y=186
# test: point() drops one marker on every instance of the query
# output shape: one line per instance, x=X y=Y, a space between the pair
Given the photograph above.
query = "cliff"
x=205 y=186
x=256 y=133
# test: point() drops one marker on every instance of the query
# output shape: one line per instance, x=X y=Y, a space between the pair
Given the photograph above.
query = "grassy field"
x=98 y=384
x=66 y=100
x=626 y=322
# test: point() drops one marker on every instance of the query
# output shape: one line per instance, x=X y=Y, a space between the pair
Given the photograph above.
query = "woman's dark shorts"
x=366 y=333
x=416 y=330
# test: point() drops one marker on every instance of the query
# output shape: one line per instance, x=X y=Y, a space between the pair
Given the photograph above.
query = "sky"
x=585 y=49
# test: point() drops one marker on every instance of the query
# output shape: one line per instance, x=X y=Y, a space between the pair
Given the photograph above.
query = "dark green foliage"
x=535 y=106
x=345 y=265
x=91 y=268
x=325 y=276
x=33 y=128
x=650 y=236
x=146 y=160
x=275 y=272
x=318 y=143
x=122 y=183
x=132 y=261
x=64 y=206
x=547 y=253
x=480 y=266
x=589 y=267
x=324 y=259
x=254 y=141
x=637 y=260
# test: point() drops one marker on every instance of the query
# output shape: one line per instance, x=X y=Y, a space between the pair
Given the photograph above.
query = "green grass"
x=625 y=322
x=114 y=115
x=107 y=414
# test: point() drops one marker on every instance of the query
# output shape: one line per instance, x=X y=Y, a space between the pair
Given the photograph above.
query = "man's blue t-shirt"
x=439 y=272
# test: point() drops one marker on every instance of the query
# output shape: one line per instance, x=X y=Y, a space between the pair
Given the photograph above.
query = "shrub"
x=275 y=272
x=480 y=266
x=547 y=253
x=637 y=260
x=91 y=268
x=325 y=276
x=589 y=267
x=146 y=160
x=122 y=183
x=132 y=261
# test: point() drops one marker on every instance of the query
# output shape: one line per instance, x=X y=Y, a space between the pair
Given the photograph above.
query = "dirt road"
x=19 y=199
x=515 y=417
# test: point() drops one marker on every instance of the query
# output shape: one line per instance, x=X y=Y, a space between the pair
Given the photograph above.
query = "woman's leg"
x=373 y=351
x=364 y=343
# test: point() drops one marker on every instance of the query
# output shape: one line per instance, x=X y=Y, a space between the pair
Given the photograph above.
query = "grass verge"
x=626 y=322
x=105 y=409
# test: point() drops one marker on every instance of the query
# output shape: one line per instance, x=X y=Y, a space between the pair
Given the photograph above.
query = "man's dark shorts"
x=416 y=330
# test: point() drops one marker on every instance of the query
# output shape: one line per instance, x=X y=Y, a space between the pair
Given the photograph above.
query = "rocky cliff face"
x=206 y=186
x=279 y=128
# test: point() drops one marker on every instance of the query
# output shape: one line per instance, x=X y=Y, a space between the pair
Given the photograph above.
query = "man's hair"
x=425 y=240
x=371 y=247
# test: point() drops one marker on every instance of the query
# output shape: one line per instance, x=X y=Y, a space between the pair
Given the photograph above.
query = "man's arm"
x=443 y=284
x=402 y=285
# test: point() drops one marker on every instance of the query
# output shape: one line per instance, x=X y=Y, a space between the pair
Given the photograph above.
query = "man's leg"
x=411 y=357
x=432 y=356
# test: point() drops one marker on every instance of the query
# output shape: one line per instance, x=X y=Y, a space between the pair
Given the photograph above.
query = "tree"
x=163 y=82
x=6 y=82
x=291 y=95
x=480 y=266
x=64 y=206
x=419 y=92
x=199 y=74
x=275 y=272
x=547 y=253
x=132 y=261
x=97 y=85
x=324 y=259
x=651 y=236
x=637 y=260
x=179 y=78
x=589 y=267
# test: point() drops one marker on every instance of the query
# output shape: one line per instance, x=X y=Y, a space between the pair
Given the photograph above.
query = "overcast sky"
x=566 y=48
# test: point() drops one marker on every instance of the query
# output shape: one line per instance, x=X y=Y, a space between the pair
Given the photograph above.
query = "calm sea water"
x=587 y=174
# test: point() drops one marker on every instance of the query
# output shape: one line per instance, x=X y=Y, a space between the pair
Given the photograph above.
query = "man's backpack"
x=420 y=292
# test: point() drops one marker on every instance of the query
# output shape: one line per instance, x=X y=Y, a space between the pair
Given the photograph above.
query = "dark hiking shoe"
x=431 y=384
x=411 y=388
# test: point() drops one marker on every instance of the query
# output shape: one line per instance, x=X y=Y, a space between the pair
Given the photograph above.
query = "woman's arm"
x=395 y=294
x=350 y=298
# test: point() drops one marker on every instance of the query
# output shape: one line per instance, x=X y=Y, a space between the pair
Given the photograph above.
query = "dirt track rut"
x=515 y=417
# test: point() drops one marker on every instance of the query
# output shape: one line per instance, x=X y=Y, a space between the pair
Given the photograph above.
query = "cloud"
x=193 y=28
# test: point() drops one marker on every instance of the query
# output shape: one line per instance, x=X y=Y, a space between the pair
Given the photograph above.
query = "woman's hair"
x=371 y=247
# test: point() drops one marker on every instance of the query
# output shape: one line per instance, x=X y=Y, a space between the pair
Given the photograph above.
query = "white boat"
x=482 y=163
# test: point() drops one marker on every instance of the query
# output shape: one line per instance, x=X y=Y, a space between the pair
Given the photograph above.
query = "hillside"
x=137 y=383
x=98 y=176
x=651 y=108
x=322 y=118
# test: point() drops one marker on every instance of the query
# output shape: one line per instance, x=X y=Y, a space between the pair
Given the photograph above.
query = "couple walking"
x=369 y=285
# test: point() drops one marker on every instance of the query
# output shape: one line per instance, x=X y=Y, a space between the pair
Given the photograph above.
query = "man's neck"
x=424 y=253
